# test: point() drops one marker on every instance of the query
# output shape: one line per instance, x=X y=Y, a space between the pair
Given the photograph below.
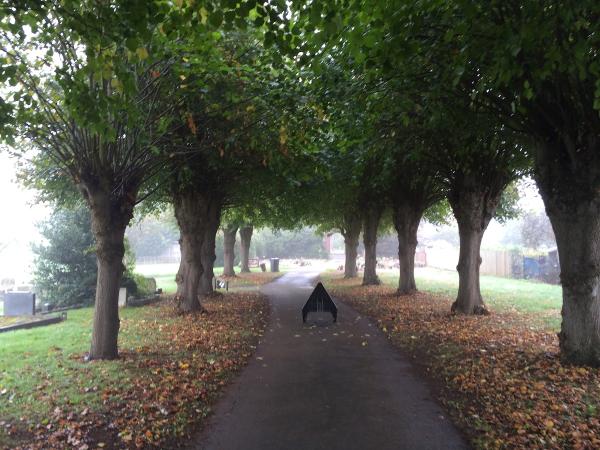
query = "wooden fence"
x=493 y=262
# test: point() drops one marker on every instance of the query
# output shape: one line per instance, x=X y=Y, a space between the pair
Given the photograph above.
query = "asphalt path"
x=325 y=385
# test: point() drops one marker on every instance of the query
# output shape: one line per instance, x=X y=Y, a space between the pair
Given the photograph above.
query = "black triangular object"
x=319 y=301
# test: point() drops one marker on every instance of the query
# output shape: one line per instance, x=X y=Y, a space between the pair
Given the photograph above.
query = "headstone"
x=19 y=304
x=122 y=297
x=151 y=285
x=319 y=301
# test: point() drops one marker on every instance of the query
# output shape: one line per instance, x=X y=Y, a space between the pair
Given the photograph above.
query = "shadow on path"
x=322 y=385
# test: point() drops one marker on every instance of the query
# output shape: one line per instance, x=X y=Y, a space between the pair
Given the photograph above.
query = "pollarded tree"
x=411 y=196
x=415 y=185
x=234 y=107
x=246 y=231
x=534 y=65
x=332 y=201
x=197 y=205
x=477 y=160
x=229 y=234
x=86 y=90
x=94 y=114
x=373 y=201
x=356 y=165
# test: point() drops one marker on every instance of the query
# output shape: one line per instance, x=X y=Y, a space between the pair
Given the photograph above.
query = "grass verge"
x=164 y=274
x=169 y=374
x=500 y=378
x=540 y=302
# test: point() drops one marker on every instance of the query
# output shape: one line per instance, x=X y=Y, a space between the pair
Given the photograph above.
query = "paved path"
x=329 y=386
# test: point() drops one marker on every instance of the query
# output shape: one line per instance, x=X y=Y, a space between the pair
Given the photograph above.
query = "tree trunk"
x=473 y=207
x=190 y=211
x=110 y=217
x=406 y=222
x=208 y=247
x=469 y=300
x=370 y=227
x=578 y=242
x=351 y=233
x=245 y=239
x=571 y=193
x=229 y=250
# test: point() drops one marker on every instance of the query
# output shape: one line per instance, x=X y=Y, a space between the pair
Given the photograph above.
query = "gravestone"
x=19 y=304
x=151 y=285
x=122 y=297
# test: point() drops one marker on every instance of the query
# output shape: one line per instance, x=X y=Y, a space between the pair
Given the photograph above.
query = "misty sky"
x=17 y=227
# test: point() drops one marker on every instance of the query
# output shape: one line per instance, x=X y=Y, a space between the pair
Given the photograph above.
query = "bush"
x=65 y=266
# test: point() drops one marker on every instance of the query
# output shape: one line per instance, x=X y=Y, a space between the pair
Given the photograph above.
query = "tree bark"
x=370 y=227
x=190 y=212
x=406 y=222
x=229 y=234
x=110 y=217
x=245 y=239
x=351 y=233
x=208 y=246
x=469 y=299
x=473 y=207
x=570 y=188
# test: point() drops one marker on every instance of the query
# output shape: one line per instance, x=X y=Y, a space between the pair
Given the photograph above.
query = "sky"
x=17 y=226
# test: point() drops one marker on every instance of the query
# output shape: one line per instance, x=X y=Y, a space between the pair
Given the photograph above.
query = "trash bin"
x=274 y=264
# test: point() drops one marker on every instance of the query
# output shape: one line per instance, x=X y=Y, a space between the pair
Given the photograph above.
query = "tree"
x=229 y=233
x=541 y=79
x=415 y=185
x=230 y=142
x=79 y=117
x=350 y=229
x=89 y=99
x=477 y=160
x=536 y=230
x=411 y=197
x=65 y=265
x=245 y=239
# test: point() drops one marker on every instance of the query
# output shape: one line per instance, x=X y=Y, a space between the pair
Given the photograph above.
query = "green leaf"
x=216 y=18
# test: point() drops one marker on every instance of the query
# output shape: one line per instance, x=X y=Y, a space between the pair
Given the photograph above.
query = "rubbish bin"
x=274 y=264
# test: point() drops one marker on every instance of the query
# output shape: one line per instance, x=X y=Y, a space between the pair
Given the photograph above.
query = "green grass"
x=542 y=300
x=164 y=274
x=42 y=368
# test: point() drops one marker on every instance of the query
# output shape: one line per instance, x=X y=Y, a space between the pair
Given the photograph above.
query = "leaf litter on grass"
x=499 y=376
x=172 y=379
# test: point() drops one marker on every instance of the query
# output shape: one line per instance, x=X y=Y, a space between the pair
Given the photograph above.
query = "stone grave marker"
x=19 y=304
x=122 y=297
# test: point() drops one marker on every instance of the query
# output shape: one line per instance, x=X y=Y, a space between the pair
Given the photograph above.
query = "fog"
x=18 y=230
x=21 y=214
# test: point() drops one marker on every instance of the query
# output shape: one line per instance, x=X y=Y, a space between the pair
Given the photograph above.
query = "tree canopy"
x=328 y=113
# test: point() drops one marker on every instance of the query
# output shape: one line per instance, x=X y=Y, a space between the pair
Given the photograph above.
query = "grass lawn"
x=171 y=368
x=543 y=301
x=164 y=274
x=43 y=367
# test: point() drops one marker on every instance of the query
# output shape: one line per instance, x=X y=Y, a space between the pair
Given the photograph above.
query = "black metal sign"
x=319 y=301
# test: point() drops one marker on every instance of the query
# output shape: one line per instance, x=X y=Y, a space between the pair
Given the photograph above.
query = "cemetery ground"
x=169 y=374
x=499 y=376
x=164 y=274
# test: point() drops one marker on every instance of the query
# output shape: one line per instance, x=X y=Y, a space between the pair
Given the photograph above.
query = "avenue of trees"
x=347 y=115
